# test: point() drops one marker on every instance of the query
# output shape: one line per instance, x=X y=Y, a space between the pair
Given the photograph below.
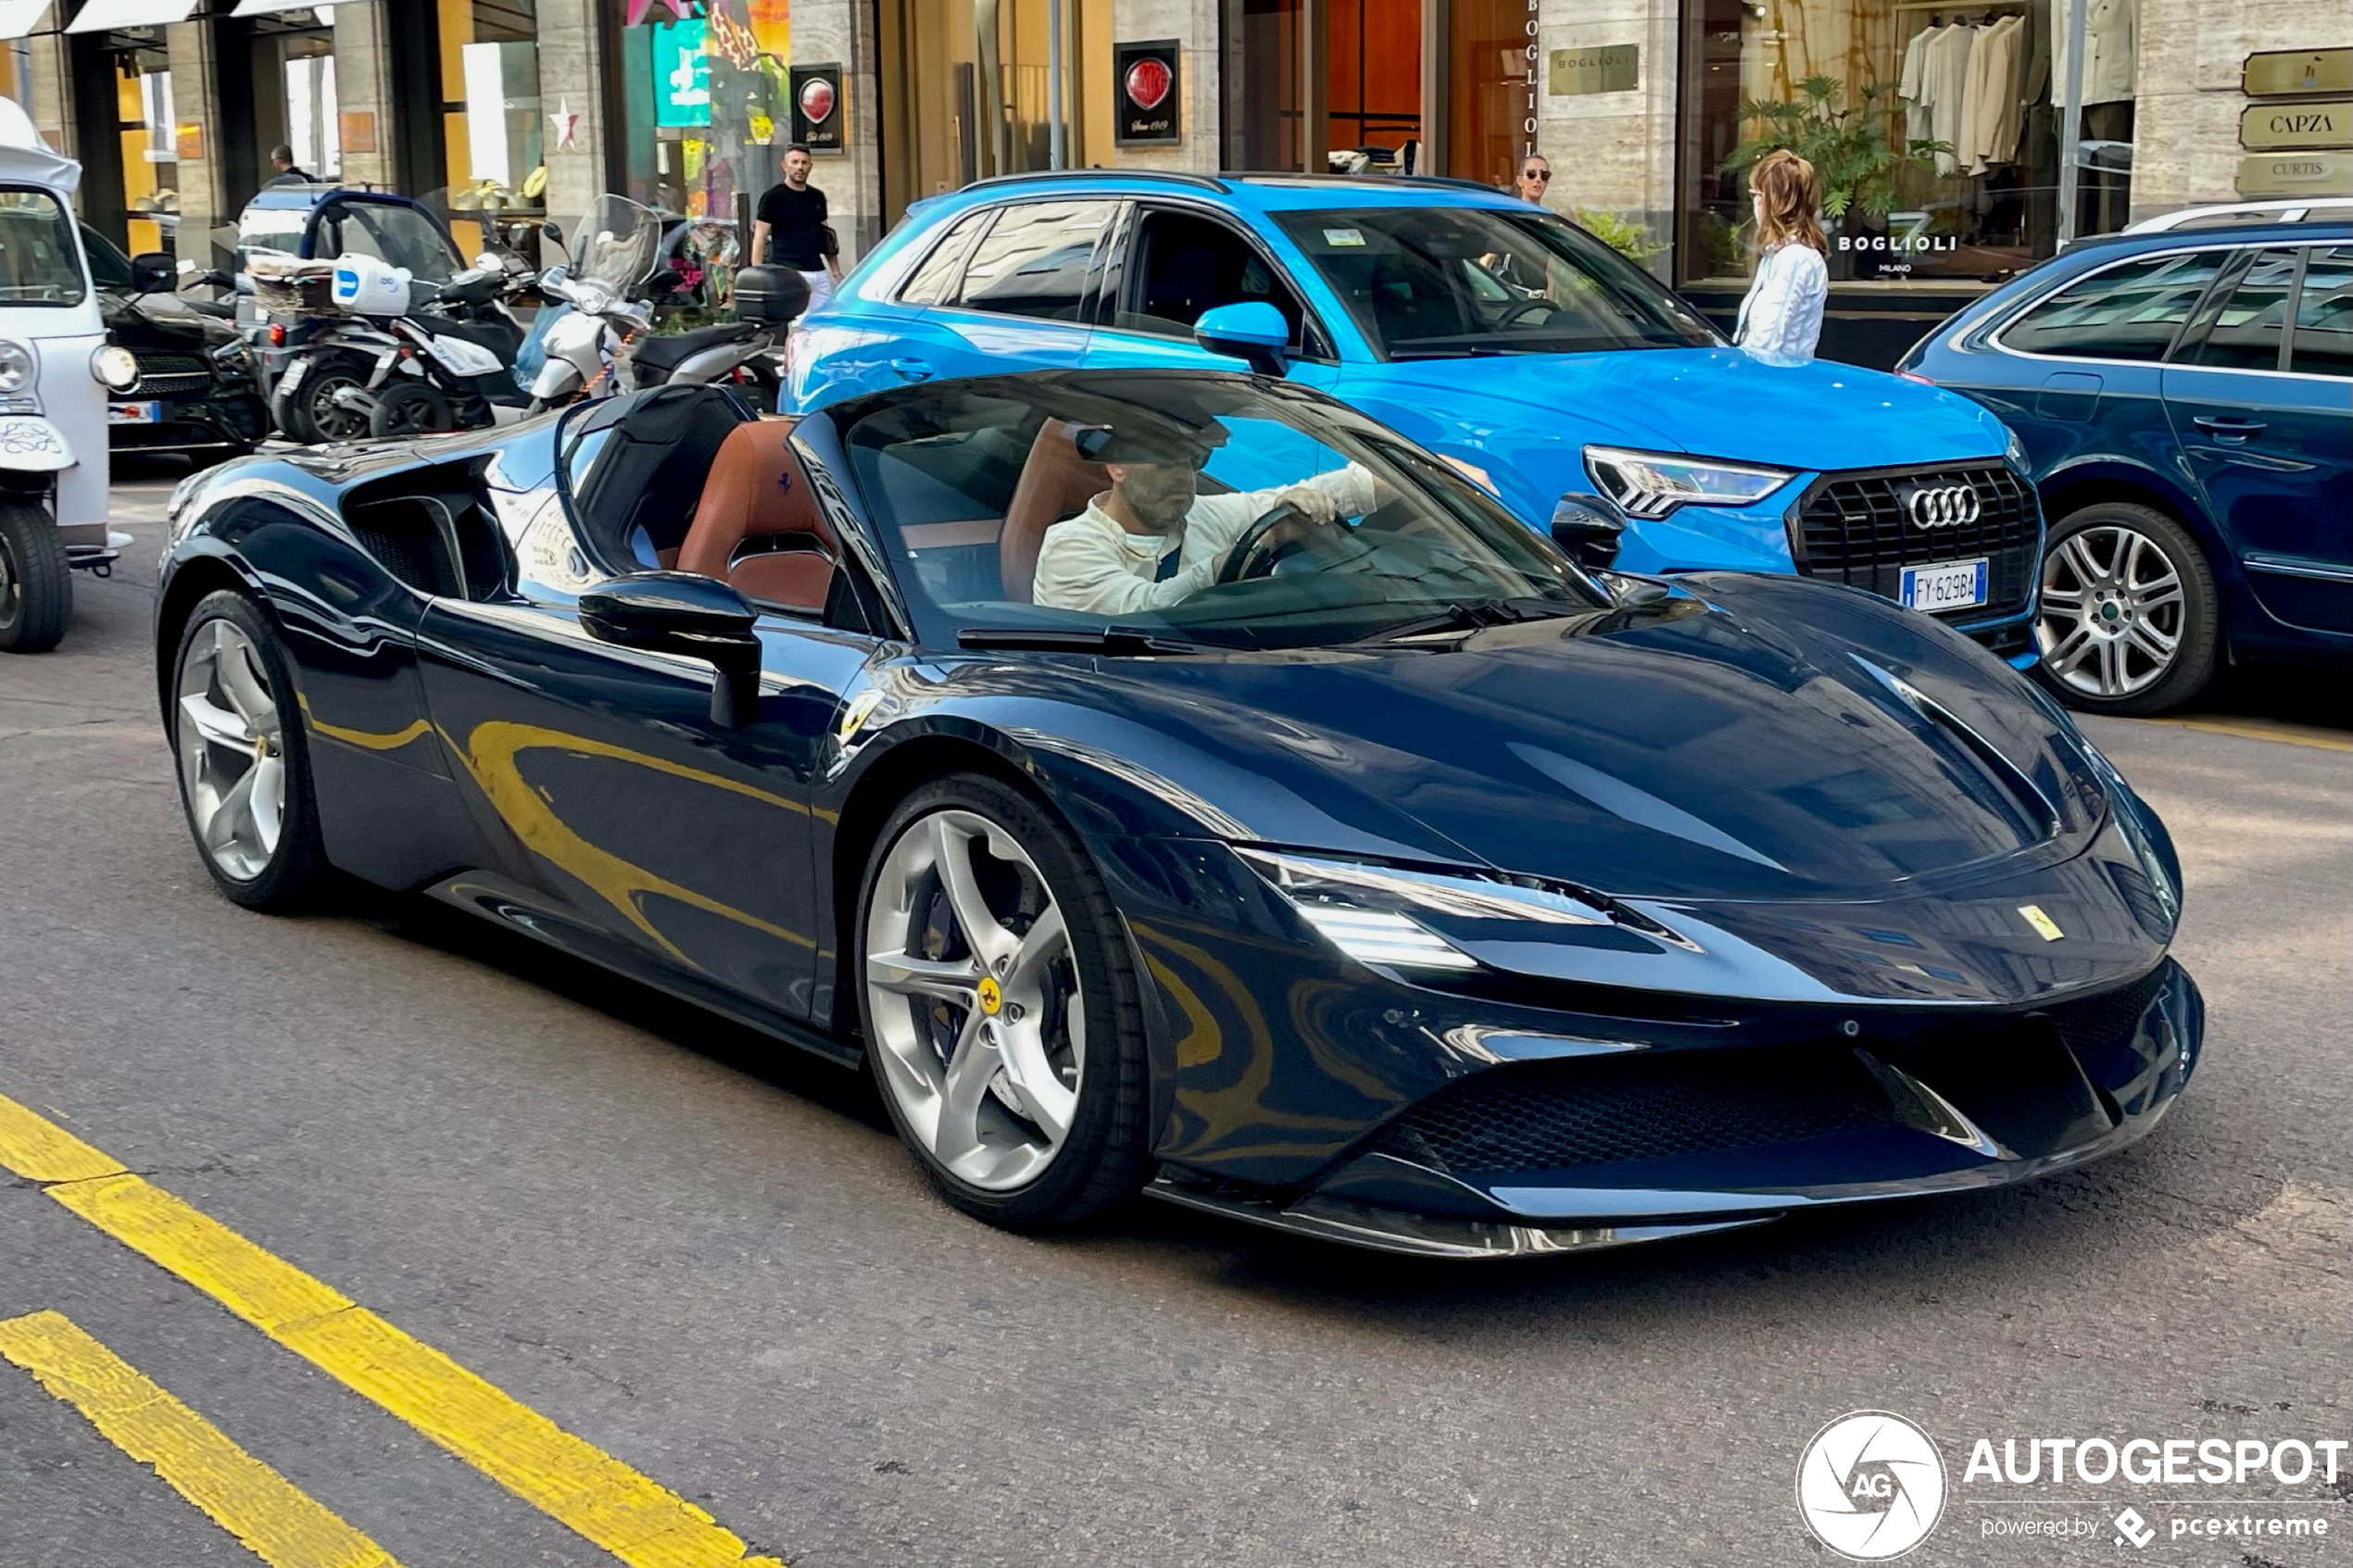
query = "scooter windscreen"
x=617 y=244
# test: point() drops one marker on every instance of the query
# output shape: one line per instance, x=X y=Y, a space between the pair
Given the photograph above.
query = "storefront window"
x=705 y=91
x=492 y=128
x=1490 y=120
x=150 y=158
x=1933 y=129
x=968 y=92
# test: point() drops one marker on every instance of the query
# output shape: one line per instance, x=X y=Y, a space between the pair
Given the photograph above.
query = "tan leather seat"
x=1055 y=483
x=756 y=494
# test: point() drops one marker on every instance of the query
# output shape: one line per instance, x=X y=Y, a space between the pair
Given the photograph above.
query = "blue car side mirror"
x=1254 y=330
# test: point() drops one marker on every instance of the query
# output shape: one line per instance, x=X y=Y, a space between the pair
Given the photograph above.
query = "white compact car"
x=56 y=372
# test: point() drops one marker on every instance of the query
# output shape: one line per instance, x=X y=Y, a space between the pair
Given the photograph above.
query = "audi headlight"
x=19 y=369
x=1376 y=914
x=1651 y=484
x=114 y=366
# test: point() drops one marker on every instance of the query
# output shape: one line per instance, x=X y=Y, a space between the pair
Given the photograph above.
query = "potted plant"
x=1857 y=158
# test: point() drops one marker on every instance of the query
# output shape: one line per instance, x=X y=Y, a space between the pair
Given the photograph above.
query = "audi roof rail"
x=1369 y=177
x=1200 y=181
x=2295 y=210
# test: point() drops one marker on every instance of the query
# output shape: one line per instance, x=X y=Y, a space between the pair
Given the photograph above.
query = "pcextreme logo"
x=1870 y=1485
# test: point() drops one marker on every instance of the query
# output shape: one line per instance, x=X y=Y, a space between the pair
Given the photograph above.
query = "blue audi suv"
x=1535 y=359
x=2184 y=393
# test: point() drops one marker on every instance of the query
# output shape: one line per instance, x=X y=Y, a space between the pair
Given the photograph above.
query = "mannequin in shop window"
x=1781 y=319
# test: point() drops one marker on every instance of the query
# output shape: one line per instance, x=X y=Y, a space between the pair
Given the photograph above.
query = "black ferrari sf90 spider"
x=1177 y=782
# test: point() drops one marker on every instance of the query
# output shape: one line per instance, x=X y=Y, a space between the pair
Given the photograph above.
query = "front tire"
x=310 y=415
x=244 y=759
x=36 y=583
x=1002 y=1016
x=2129 y=622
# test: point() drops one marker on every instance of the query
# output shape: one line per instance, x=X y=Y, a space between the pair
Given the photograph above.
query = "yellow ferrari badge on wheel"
x=991 y=995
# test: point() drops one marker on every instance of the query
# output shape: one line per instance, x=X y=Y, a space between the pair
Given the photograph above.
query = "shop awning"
x=271 y=7
x=100 y=15
x=20 y=16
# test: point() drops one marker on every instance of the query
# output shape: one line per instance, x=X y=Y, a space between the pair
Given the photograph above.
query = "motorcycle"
x=452 y=367
x=604 y=341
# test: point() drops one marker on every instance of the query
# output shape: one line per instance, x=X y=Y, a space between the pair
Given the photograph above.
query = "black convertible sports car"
x=1177 y=781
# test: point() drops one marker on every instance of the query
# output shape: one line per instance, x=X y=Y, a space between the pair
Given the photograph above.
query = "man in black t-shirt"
x=789 y=228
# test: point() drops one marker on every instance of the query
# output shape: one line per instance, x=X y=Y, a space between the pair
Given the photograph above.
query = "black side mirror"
x=770 y=296
x=551 y=230
x=683 y=613
x=153 y=272
x=1590 y=528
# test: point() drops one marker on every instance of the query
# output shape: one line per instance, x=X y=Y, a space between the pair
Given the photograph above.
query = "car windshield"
x=1447 y=282
x=39 y=263
x=1149 y=511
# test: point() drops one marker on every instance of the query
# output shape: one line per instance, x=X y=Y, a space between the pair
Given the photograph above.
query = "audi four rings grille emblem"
x=1945 y=505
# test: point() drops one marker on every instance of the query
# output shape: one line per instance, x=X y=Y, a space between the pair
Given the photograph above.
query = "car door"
x=849 y=347
x=2266 y=440
x=630 y=825
x=1019 y=301
x=1171 y=264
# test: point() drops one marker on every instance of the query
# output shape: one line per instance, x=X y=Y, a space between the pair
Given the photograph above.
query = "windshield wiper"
x=1477 y=615
x=1118 y=641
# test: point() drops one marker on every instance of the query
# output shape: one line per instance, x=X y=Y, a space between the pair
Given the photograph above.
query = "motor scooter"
x=57 y=369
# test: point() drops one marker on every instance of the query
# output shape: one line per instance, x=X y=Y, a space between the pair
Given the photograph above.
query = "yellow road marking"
x=640 y=1522
x=2263 y=729
x=279 y=1523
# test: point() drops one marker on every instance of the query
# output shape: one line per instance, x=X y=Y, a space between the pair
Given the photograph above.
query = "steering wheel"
x=1253 y=556
x=1524 y=306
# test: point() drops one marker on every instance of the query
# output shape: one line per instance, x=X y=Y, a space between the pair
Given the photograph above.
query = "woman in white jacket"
x=1781 y=319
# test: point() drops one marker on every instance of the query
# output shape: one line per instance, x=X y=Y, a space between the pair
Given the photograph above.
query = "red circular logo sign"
x=1148 y=82
x=816 y=100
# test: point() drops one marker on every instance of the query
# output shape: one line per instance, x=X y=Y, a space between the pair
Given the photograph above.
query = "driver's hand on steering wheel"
x=1312 y=509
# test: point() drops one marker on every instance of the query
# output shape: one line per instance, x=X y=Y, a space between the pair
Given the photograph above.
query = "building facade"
x=1959 y=144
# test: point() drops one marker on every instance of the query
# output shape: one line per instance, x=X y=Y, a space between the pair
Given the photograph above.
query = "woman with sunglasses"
x=1535 y=174
x=1781 y=319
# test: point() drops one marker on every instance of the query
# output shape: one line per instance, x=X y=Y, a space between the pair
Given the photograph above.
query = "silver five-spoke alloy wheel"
x=980 y=1025
x=232 y=744
x=2113 y=614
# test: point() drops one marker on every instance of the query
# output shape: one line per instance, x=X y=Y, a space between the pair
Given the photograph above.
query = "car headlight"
x=1373 y=913
x=17 y=367
x=114 y=366
x=1651 y=484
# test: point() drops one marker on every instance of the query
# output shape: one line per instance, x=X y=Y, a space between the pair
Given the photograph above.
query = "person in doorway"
x=289 y=172
x=1781 y=319
x=1152 y=540
x=1534 y=179
x=789 y=228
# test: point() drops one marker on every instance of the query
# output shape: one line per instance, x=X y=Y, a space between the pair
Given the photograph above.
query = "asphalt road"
x=711 y=1260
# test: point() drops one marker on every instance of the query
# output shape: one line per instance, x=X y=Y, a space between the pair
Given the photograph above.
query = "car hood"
x=1711 y=402
x=1825 y=797
x=161 y=322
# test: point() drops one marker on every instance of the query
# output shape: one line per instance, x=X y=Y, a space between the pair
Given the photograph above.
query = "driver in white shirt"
x=1152 y=540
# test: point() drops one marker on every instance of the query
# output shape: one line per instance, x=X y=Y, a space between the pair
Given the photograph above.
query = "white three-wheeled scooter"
x=55 y=369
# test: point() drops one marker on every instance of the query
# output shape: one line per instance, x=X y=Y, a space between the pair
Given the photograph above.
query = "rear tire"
x=1014 y=1062
x=2129 y=622
x=36 y=583
x=244 y=760
x=410 y=408
x=310 y=413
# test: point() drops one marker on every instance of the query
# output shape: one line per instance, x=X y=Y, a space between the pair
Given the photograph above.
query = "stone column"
x=205 y=202
x=1613 y=151
x=1196 y=25
x=2186 y=97
x=574 y=36
x=50 y=100
x=363 y=91
x=843 y=31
